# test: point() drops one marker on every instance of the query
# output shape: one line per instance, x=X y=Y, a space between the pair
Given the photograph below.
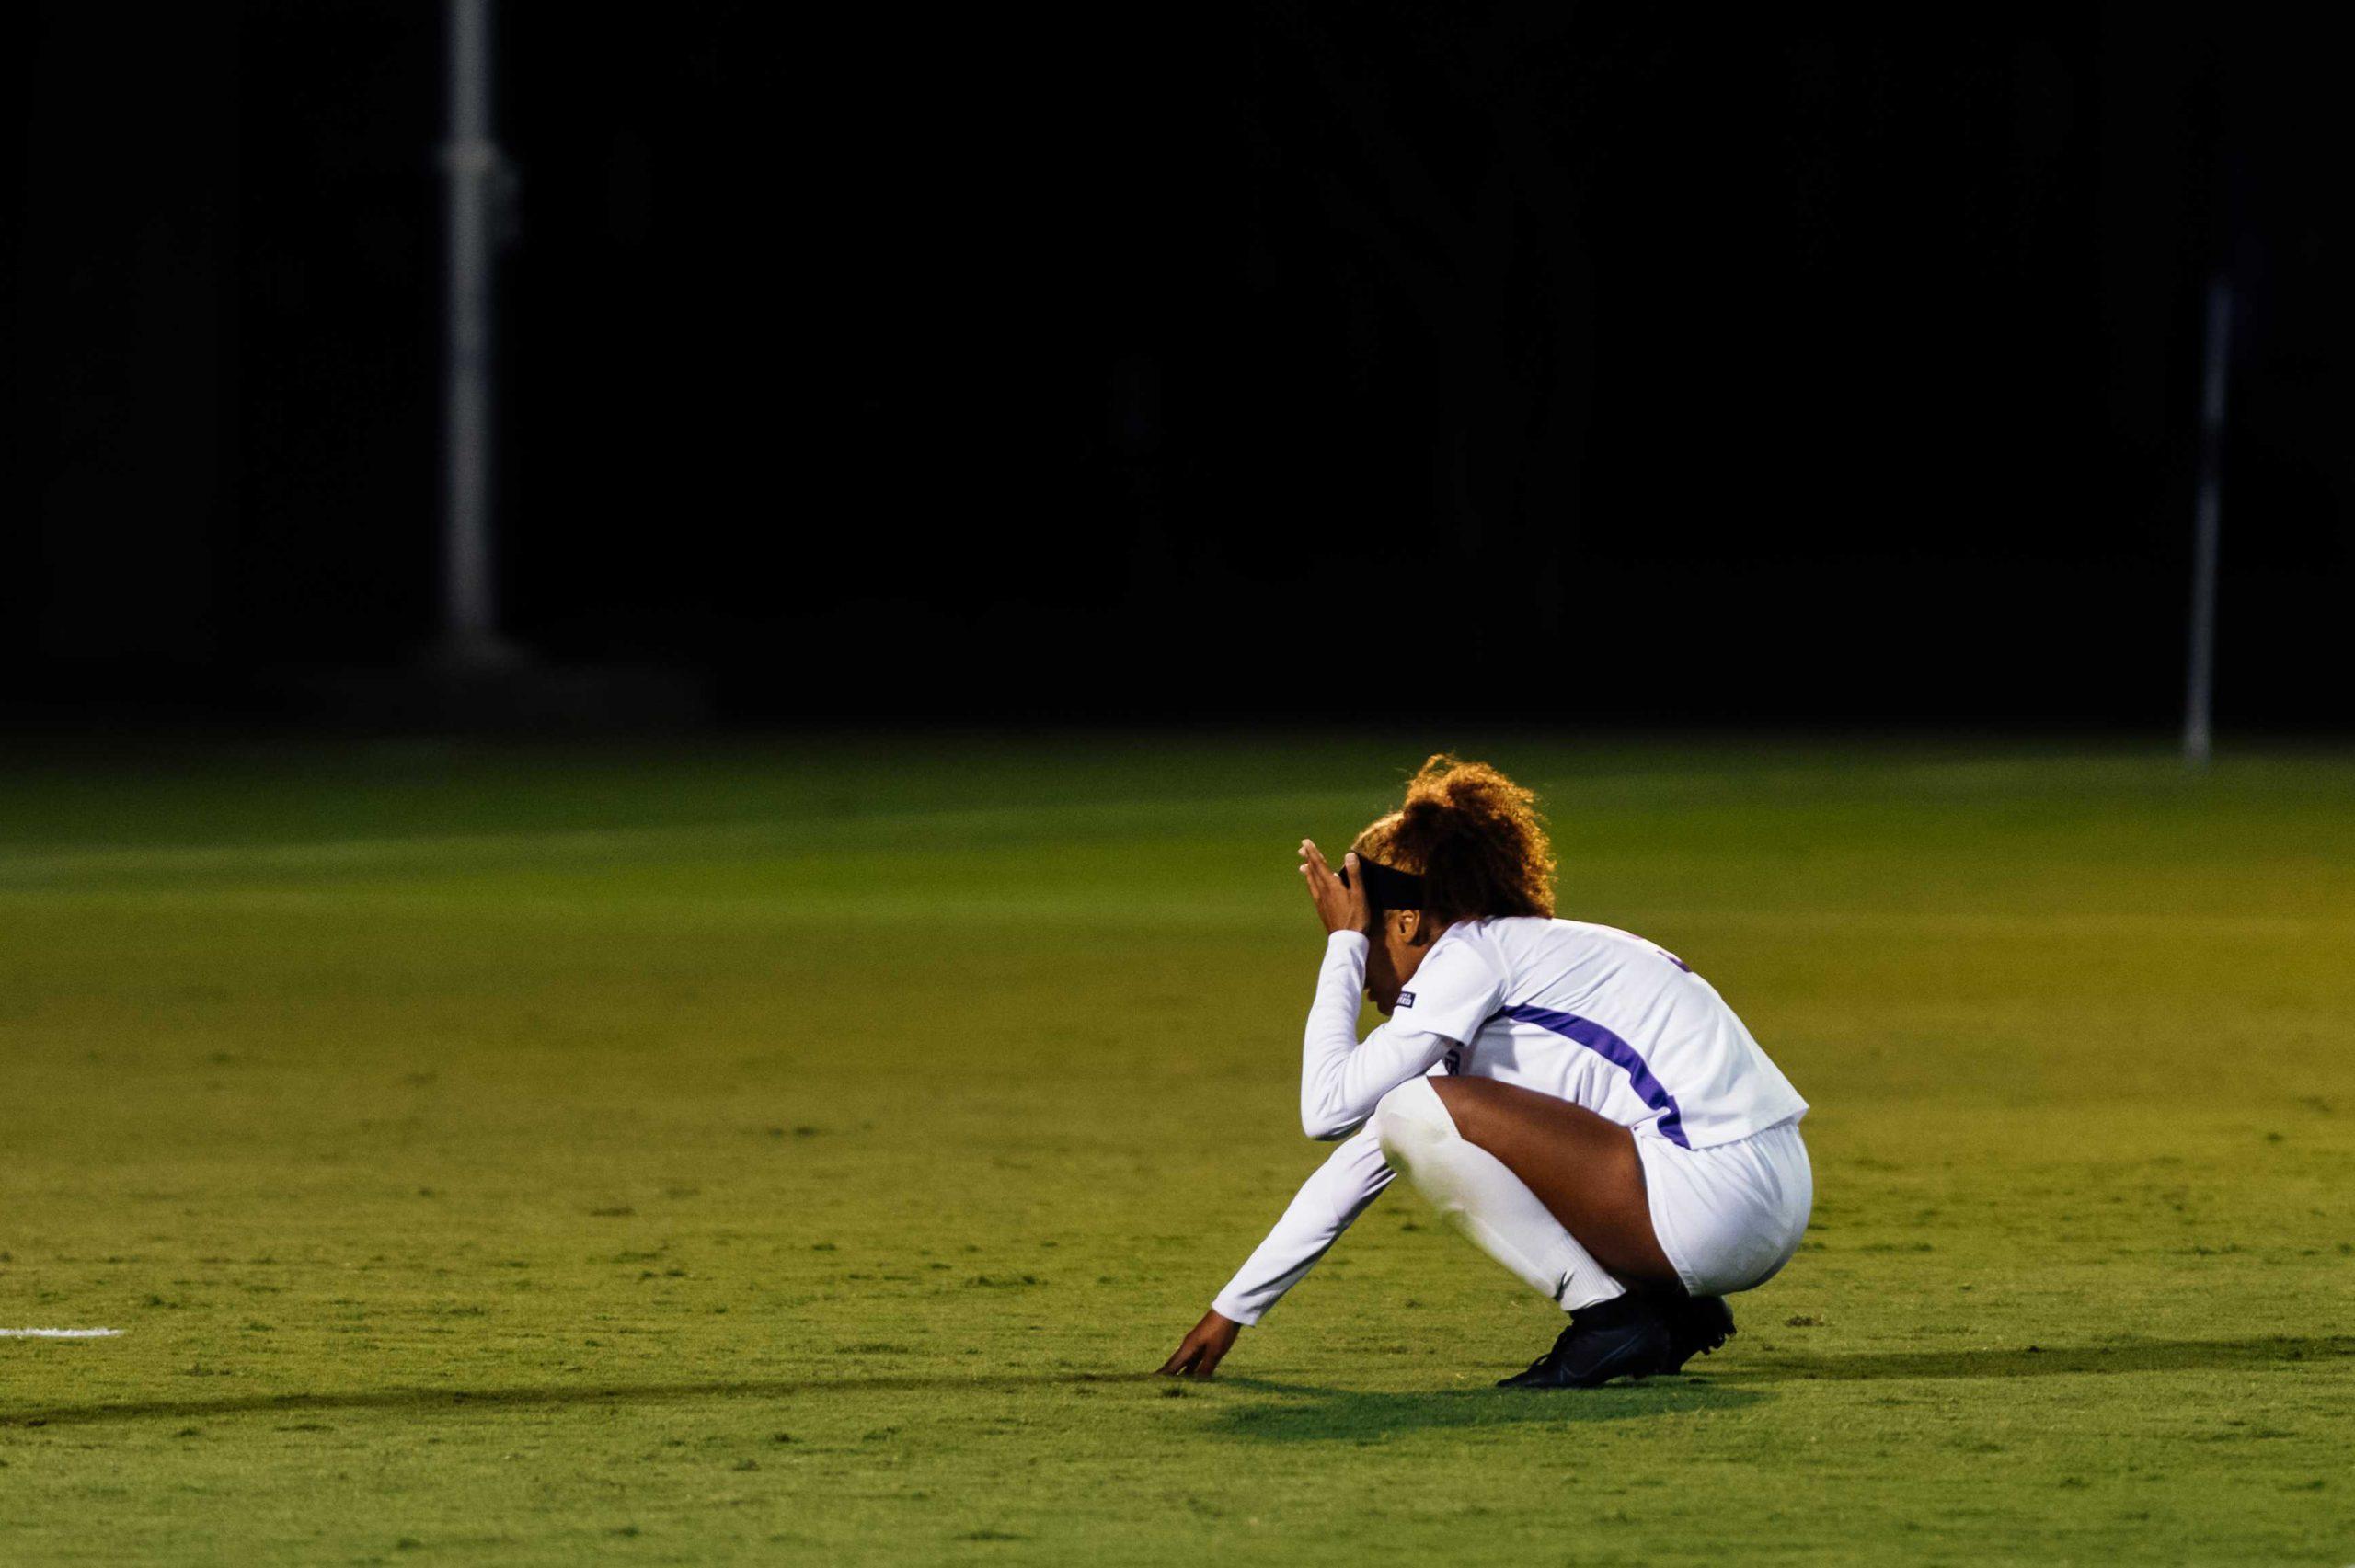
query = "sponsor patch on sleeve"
x=1406 y=999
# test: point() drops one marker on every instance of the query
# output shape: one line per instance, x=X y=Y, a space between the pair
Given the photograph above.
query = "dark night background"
x=1543 y=362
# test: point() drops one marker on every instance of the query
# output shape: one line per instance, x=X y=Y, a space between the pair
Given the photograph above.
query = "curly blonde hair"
x=1476 y=838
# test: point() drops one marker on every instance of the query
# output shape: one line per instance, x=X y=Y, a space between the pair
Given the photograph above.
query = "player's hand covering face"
x=1340 y=905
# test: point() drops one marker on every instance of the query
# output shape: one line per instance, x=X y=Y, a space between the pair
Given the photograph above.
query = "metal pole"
x=470 y=161
x=2198 y=687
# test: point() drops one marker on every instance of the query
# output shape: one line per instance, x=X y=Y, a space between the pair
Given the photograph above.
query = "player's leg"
x=1582 y=1167
x=1587 y=1171
x=1480 y=1196
x=1613 y=1332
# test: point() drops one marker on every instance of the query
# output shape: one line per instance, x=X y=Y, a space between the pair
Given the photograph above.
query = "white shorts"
x=1728 y=1217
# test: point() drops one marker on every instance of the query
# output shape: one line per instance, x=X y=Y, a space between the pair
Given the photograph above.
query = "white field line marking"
x=59 y=1333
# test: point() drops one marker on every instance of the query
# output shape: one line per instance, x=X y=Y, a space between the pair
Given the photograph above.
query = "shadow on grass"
x=1301 y=1412
x=421 y=1400
x=1342 y=1415
x=1323 y=1414
x=2037 y=1361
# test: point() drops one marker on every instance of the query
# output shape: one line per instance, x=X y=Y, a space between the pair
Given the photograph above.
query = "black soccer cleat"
x=1696 y=1326
x=1627 y=1337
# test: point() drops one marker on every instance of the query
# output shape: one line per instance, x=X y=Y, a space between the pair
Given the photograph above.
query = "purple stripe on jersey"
x=1617 y=1052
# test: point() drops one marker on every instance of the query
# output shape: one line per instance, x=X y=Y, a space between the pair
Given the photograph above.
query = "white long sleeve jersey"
x=1587 y=1013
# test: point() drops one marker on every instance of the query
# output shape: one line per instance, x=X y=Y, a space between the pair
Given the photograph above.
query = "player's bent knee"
x=1410 y=1117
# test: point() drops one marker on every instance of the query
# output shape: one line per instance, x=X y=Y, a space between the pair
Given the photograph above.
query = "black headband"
x=1387 y=888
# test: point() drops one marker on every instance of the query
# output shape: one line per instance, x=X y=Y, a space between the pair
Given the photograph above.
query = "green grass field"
x=797 y=1152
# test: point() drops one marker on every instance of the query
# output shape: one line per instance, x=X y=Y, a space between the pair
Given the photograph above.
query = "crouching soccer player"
x=1574 y=1100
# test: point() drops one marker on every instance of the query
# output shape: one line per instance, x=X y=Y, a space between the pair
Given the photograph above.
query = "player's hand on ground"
x=1203 y=1349
x=1340 y=905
